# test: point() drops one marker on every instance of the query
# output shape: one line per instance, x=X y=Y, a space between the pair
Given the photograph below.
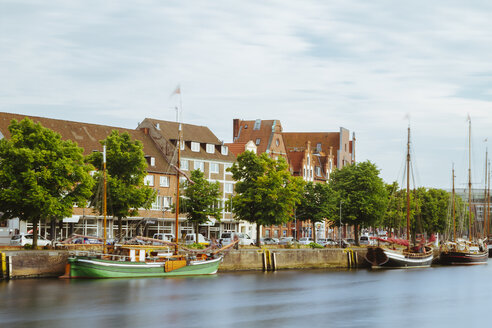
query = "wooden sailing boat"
x=132 y=261
x=460 y=251
x=396 y=256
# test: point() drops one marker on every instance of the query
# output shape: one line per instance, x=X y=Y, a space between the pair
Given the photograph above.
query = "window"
x=277 y=142
x=227 y=166
x=267 y=233
x=157 y=203
x=199 y=165
x=318 y=171
x=210 y=148
x=245 y=126
x=224 y=150
x=228 y=188
x=257 y=124
x=167 y=202
x=275 y=233
x=308 y=160
x=228 y=205
x=258 y=141
x=318 y=147
x=182 y=145
x=195 y=146
x=152 y=161
x=214 y=167
x=184 y=165
x=164 y=181
x=149 y=180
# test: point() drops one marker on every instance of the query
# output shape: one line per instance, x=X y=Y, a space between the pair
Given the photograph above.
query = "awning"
x=73 y=219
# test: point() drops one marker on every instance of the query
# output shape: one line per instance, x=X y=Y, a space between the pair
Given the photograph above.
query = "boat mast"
x=485 y=197
x=408 y=189
x=469 y=180
x=454 y=210
x=178 y=164
x=105 y=204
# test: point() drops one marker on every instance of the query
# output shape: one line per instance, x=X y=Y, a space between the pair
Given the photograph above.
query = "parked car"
x=190 y=239
x=365 y=240
x=321 y=241
x=306 y=240
x=330 y=242
x=26 y=239
x=350 y=241
x=269 y=241
x=287 y=241
x=228 y=237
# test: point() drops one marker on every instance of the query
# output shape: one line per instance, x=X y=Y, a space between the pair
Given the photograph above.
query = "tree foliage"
x=200 y=201
x=266 y=192
x=41 y=175
x=126 y=170
x=318 y=201
x=363 y=194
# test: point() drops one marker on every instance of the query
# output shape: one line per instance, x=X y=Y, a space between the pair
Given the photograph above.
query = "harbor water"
x=432 y=297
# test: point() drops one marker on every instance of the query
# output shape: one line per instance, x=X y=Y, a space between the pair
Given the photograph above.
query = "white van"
x=228 y=237
x=163 y=236
x=190 y=239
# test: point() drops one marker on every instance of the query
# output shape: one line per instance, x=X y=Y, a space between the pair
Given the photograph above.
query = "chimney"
x=235 y=128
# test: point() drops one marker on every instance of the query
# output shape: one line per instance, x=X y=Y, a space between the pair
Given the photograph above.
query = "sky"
x=372 y=67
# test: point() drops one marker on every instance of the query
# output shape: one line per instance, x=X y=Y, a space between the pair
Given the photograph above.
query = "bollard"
x=274 y=261
x=3 y=265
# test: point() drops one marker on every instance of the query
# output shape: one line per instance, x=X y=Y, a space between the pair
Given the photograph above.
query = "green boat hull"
x=87 y=267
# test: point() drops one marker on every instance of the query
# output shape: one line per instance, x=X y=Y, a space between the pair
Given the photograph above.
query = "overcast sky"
x=367 y=66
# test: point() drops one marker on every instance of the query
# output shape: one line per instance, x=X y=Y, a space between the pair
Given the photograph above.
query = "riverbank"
x=19 y=263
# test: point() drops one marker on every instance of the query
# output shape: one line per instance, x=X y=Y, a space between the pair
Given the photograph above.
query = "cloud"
x=313 y=65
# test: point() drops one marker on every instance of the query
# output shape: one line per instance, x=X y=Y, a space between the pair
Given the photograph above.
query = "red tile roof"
x=87 y=136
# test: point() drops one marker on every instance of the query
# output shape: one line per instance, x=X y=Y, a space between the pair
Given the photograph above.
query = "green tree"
x=432 y=209
x=266 y=192
x=41 y=175
x=395 y=217
x=363 y=194
x=126 y=170
x=317 y=203
x=200 y=201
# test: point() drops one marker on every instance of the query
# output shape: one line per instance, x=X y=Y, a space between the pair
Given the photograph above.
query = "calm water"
x=438 y=297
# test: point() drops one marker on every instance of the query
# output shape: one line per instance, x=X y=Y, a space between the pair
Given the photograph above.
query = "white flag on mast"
x=176 y=91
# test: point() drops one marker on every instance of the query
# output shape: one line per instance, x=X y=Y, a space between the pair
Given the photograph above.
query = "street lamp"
x=340 y=229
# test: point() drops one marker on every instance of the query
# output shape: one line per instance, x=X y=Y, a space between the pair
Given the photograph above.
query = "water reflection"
x=437 y=296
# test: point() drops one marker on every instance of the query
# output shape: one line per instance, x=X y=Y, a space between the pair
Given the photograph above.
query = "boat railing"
x=124 y=258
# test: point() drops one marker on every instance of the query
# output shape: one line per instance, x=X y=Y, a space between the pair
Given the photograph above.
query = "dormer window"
x=258 y=141
x=210 y=148
x=195 y=146
x=257 y=125
x=224 y=150
x=318 y=147
x=150 y=160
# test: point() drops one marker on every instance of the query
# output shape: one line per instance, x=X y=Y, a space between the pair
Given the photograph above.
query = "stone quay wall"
x=15 y=264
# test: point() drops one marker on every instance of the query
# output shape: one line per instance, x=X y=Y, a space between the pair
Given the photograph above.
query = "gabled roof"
x=87 y=136
x=299 y=139
x=295 y=160
x=191 y=133
x=237 y=148
x=247 y=132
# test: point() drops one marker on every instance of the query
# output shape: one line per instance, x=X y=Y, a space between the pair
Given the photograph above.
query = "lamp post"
x=340 y=229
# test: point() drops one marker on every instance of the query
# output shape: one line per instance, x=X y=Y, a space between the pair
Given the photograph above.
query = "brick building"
x=200 y=149
x=312 y=156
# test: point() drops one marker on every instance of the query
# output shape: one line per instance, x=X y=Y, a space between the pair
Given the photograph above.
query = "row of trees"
x=267 y=194
x=43 y=176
